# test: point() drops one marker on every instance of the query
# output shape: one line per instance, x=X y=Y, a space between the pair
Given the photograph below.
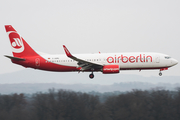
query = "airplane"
x=107 y=63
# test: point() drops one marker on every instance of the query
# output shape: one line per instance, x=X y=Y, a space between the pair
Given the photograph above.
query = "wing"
x=85 y=65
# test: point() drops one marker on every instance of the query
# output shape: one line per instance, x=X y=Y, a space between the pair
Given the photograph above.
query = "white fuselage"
x=126 y=61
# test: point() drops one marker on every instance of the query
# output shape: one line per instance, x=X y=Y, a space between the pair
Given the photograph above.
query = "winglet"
x=67 y=51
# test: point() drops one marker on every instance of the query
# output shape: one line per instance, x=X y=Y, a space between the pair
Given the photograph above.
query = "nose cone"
x=174 y=62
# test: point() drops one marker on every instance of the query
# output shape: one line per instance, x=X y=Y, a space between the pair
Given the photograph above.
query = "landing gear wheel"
x=160 y=74
x=91 y=76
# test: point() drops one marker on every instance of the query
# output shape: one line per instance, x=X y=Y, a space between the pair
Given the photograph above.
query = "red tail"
x=20 y=47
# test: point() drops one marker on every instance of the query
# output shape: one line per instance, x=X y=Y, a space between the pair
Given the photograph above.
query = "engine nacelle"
x=109 y=69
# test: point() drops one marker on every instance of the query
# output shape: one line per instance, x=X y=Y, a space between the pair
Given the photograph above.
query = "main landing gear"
x=91 y=75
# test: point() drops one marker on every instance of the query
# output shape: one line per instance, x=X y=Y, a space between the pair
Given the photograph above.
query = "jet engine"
x=109 y=69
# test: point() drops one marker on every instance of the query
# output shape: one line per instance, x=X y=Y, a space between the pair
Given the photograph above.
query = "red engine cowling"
x=109 y=69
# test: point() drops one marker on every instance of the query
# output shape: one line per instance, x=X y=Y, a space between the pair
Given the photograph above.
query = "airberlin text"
x=131 y=59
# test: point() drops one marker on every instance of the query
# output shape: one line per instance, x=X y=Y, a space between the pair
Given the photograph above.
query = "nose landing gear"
x=160 y=73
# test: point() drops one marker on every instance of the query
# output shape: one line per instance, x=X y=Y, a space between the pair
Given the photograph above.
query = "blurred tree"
x=157 y=104
x=12 y=107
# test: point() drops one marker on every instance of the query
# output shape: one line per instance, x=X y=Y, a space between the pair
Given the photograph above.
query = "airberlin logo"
x=131 y=59
x=16 y=42
x=111 y=69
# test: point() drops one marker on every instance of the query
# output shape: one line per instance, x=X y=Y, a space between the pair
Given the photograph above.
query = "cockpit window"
x=167 y=57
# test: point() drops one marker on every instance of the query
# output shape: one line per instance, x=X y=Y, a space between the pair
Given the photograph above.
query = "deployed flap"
x=85 y=65
x=15 y=58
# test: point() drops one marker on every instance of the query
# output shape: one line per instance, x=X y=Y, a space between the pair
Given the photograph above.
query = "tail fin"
x=20 y=47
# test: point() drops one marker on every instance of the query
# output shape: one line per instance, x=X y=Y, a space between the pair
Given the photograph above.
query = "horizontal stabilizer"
x=15 y=58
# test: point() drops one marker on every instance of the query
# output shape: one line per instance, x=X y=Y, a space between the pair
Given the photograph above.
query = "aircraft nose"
x=174 y=62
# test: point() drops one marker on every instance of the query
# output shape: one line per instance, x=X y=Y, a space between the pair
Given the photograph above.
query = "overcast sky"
x=90 y=26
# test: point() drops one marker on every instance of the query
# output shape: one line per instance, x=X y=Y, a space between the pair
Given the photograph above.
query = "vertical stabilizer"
x=20 y=47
